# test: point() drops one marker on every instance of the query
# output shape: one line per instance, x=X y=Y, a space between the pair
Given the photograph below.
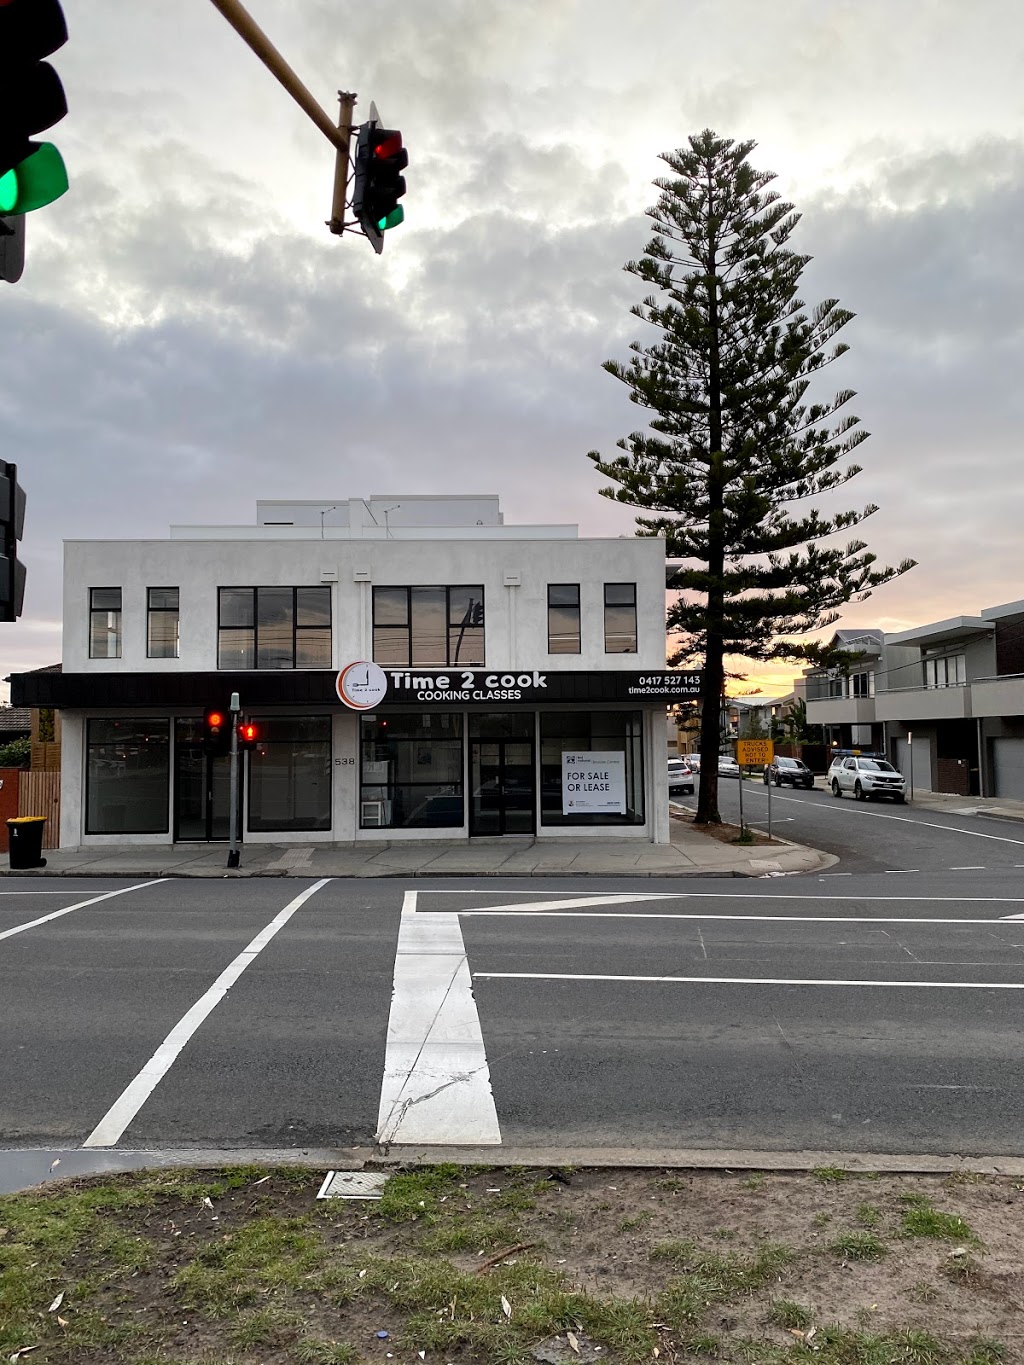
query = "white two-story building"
x=415 y=668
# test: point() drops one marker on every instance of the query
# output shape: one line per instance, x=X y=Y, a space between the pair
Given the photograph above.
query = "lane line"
x=63 y=891
x=904 y=819
x=79 y=905
x=968 y=868
x=137 y=1092
x=436 y=1086
x=757 y=919
x=747 y=981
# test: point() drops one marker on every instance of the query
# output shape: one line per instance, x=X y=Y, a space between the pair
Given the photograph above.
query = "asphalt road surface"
x=880 y=836
x=876 y=1010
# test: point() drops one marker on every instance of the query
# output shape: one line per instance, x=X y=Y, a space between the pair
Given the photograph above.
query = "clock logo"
x=361 y=685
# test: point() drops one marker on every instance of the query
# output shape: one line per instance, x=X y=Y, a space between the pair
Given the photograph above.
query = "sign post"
x=755 y=752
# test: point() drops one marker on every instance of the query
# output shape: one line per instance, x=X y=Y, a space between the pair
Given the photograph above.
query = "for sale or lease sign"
x=593 y=783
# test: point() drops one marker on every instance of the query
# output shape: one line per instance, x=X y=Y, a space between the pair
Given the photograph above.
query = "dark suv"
x=791 y=770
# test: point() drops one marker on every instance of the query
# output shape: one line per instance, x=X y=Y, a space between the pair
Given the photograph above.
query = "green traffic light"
x=396 y=216
x=35 y=182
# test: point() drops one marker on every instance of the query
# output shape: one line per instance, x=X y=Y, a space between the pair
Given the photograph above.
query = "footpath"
x=690 y=853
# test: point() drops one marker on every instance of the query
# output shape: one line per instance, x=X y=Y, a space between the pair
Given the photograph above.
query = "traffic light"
x=32 y=174
x=378 y=183
x=248 y=735
x=12 y=525
x=12 y=248
x=216 y=730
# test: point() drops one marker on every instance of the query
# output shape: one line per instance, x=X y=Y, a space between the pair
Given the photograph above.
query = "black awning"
x=440 y=687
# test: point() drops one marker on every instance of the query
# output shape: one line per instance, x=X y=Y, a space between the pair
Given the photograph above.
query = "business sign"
x=478 y=686
x=593 y=783
x=361 y=685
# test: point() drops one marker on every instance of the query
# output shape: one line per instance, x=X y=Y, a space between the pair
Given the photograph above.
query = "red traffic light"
x=391 y=146
x=214 y=720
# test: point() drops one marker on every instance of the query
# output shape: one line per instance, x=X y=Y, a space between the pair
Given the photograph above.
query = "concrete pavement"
x=689 y=854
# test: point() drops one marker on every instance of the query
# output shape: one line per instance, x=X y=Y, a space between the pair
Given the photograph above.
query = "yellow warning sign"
x=756 y=752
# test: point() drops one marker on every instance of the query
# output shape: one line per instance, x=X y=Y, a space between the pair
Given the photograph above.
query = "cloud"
x=189 y=337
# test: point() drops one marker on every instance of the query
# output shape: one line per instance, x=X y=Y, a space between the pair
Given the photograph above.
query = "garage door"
x=1008 y=767
x=922 y=762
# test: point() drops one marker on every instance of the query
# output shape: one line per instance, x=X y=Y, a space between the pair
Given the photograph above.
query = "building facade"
x=944 y=701
x=414 y=667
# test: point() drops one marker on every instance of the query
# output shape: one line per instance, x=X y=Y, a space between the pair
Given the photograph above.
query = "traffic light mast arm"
x=250 y=32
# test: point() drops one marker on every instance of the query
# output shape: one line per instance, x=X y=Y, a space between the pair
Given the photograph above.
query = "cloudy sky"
x=188 y=335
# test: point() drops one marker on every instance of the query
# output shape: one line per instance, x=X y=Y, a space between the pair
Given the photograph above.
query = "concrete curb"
x=30 y=1168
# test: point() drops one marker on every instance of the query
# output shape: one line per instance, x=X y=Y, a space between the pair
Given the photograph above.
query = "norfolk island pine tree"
x=732 y=444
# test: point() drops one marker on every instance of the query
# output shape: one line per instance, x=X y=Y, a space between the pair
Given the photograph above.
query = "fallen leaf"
x=506 y=1307
x=362 y=1275
x=207 y=1201
x=795 y=1332
x=810 y=1335
x=655 y=1353
x=53 y=1167
x=56 y=1303
x=63 y=1321
x=262 y=1181
x=23 y=1352
x=574 y=1344
x=422 y=1355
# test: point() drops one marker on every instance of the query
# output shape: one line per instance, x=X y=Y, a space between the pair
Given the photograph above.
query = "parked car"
x=782 y=770
x=694 y=762
x=867 y=778
x=728 y=767
x=680 y=776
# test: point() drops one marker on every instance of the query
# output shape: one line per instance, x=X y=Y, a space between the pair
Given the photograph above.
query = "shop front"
x=367 y=754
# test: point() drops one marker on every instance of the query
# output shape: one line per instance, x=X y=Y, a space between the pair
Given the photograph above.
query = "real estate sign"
x=593 y=783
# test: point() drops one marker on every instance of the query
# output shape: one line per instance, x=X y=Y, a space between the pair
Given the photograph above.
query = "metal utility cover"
x=353 y=1185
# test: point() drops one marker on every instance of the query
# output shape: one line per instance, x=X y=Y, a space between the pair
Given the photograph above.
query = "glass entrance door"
x=502 y=786
x=202 y=788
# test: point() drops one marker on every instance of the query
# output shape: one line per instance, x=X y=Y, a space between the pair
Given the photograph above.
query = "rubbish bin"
x=25 y=840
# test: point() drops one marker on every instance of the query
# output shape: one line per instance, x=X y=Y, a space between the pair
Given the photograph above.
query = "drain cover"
x=353 y=1185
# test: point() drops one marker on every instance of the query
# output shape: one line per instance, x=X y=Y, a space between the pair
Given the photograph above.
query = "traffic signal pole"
x=338 y=134
x=234 y=708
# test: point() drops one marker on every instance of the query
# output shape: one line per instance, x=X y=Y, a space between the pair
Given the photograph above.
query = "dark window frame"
x=411 y=784
x=107 y=611
x=565 y=606
x=90 y=745
x=252 y=631
x=451 y=628
x=152 y=612
x=620 y=606
x=263 y=824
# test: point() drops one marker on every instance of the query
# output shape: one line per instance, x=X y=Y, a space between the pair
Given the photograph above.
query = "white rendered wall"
x=516 y=617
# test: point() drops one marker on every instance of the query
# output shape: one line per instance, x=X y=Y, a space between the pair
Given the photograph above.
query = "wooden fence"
x=39 y=794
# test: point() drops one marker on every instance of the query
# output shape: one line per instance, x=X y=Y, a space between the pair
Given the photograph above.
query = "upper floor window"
x=162 y=623
x=104 y=623
x=946 y=672
x=563 y=618
x=274 y=628
x=620 y=618
x=862 y=685
x=428 y=625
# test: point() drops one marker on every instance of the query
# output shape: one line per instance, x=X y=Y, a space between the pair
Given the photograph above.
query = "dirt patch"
x=729 y=834
x=246 y=1267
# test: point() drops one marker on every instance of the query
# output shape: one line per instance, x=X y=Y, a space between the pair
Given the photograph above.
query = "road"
x=879 y=836
x=872 y=1010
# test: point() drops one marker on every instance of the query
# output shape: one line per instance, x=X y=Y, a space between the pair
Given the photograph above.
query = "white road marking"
x=79 y=905
x=137 y=1092
x=891 y=871
x=967 y=869
x=757 y=919
x=904 y=819
x=747 y=981
x=572 y=903
x=436 y=1086
x=61 y=891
